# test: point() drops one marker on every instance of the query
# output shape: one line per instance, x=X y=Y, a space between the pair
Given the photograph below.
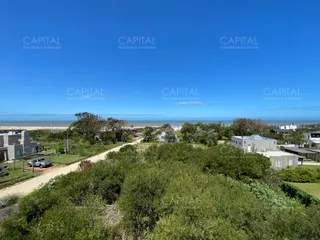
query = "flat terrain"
x=16 y=173
x=28 y=186
x=311 y=188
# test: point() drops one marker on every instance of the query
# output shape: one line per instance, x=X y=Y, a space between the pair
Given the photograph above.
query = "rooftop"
x=253 y=137
x=277 y=154
x=282 y=130
x=298 y=150
x=314 y=150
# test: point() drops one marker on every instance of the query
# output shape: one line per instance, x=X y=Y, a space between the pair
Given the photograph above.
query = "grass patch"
x=15 y=176
x=311 y=188
x=68 y=158
x=144 y=146
x=199 y=145
x=64 y=159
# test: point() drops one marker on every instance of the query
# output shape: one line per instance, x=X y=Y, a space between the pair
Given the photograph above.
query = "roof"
x=314 y=150
x=277 y=154
x=254 y=137
x=281 y=130
x=298 y=150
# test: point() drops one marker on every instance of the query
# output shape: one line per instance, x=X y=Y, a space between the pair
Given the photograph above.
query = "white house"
x=161 y=137
x=312 y=138
x=266 y=147
x=290 y=126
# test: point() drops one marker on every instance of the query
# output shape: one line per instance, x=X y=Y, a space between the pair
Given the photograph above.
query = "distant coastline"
x=62 y=125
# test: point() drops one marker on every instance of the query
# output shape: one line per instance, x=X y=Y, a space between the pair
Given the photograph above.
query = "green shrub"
x=107 y=180
x=233 y=162
x=140 y=190
x=8 y=200
x=70 y=222
x=86 y=166
x=300 y=174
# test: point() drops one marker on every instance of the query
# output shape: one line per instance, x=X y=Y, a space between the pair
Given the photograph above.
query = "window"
x=290 y=162
x=278 y=163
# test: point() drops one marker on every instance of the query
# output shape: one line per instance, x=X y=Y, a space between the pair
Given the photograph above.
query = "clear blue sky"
x=187 y=73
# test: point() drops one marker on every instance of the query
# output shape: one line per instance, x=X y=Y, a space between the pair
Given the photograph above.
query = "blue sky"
x=100 y=61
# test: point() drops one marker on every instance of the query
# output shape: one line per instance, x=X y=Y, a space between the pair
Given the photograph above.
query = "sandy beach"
x=32 y=128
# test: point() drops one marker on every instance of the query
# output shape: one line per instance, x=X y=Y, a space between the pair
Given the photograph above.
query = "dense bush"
x=276 y=199
x=70 y=222
x=172 y=191
x=107 y=180
x=300 y=174
x=140 y=190
x=235 y=163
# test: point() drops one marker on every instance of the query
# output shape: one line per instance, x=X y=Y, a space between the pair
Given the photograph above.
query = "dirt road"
x=28 y=186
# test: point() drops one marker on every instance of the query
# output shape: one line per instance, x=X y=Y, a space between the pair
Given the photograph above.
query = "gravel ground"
x=28 y=186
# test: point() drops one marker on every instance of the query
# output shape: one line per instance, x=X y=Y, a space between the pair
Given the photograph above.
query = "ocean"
x=55 y=123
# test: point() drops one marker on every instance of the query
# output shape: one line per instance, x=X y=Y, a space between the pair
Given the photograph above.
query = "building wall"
x=18 y=144
x=11 y=139
x=278 y=162
x=254 y=145
x=14 y=151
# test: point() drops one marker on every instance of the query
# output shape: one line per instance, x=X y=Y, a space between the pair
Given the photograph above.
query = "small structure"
x=312 y=138
x=281 y=159
x=266 y=147
x=14 y=144
x=162 y=137
x=280 y=131
x=290 y=126
x=177 y=128
x=254 y=143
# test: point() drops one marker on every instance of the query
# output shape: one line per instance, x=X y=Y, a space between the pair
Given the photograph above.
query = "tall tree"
x=87 y=124
x=188 y=130
x=113 y=124
x=246 y=126
x=147 y=134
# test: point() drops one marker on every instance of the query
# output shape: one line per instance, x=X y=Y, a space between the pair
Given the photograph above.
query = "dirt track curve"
x=28 y=186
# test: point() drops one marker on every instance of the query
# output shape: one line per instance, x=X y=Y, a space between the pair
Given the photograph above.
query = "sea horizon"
x=175 y=122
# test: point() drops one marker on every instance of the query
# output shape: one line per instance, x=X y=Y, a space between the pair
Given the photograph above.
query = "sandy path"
x=28 y=186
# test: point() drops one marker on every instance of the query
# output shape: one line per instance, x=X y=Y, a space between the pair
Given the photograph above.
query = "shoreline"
x=57 y=128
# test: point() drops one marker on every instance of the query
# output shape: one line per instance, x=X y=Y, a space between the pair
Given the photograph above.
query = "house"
x=14 y=144
x=280 y=131
x=312 y=138
x=162 y=137
x=266 y=147
x=177 y=128
x=288 y=127
x=281 y=159
x=254 y=143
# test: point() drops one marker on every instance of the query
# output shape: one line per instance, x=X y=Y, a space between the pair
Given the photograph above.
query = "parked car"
x=3 y=170
x=40 y=163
